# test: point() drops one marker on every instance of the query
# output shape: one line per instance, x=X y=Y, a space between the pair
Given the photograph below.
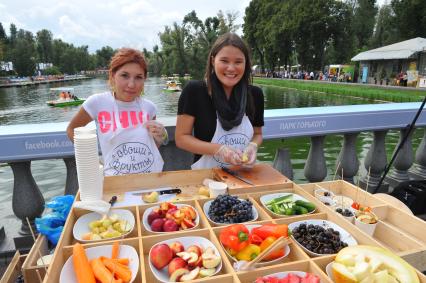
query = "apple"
x=176 y=247
x=175 y=264
x=191 y=275
x=160 y=255
x=152 y=216
x=196 y=249
x=369 y=263
x=170 y=226
x=157 y=225
x=210 y=259
x=188 y=256
x=175 y=276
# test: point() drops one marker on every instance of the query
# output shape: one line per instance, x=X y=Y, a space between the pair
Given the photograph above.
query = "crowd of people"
x=306 y=75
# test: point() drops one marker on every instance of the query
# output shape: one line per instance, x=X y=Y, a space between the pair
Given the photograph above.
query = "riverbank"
x=378 y=92
x=44 y=81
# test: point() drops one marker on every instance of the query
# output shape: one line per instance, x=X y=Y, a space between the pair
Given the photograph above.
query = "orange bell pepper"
x=274 y=254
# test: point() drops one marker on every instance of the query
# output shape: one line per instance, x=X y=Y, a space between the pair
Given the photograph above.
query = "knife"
x=162 y=192
x=236 y=175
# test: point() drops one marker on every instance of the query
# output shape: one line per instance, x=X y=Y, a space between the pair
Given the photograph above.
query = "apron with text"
x=132 y=150
x=238 y=137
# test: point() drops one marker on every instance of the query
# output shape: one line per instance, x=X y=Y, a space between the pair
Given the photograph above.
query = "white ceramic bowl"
x=68 y=274
x=148 y=211
x=329 y=270
x=261 y=263
x=344 y=201
x=320 y=193
x=81 y=226
x=267 y=198
x=281 y=275
x=163 y=274
x=345 y=236
x=206 y=208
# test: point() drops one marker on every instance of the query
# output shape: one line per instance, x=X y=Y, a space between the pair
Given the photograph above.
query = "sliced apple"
x=188 y=223
x=191 y=275
x=188 y=256
x=207 y=272
x=211 y=262
x=176 y=275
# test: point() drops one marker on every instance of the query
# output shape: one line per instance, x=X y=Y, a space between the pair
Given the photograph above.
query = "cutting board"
x=261 y=174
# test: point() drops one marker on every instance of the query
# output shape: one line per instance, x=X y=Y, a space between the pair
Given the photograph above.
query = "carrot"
x=102 y=273
x=123 y=260
x=82 y=268
x=115 y=250
x=120 y=270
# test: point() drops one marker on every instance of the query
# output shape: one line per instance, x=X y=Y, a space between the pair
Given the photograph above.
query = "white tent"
x=400 y=50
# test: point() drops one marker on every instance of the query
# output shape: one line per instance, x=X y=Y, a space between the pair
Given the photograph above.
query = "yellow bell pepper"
x=248 y=253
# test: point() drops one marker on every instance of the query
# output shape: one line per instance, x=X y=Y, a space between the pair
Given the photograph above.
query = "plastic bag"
x=52 y=224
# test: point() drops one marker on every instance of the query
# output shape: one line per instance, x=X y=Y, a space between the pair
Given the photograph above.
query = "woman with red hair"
x=128 y=134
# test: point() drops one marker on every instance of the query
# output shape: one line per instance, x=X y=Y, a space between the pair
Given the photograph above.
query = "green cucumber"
x=300 y=210
x=308 y=205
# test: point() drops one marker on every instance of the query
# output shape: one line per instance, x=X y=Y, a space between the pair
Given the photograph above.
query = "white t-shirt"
x=126 y=145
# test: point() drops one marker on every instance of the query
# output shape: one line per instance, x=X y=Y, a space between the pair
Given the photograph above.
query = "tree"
x=385 y=32
x=44 y=40
x=364 y=21
x=13 y=35
x=3 y=36
x=410 y=18
x=24 y=53
x=104 y=56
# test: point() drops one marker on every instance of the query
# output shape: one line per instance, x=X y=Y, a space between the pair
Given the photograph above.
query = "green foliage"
x=24 y=53
x=354 y=90
x=410 y=17
x=52 y=71
x=364 y=21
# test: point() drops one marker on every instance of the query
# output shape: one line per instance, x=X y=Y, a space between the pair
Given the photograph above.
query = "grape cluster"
x=318 y=239
x=345 y=212
x=229 y=209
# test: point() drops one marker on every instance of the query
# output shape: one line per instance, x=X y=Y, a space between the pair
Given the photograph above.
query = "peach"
x=175 y=276
x=161 y=255
x=157 y=225
x=170 y=226
x=175 y=264
x=187 y=224
x=176 y=247
x=152 y=216
x=190 y=212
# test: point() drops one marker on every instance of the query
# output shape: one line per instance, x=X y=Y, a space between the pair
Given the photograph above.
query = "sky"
x=116 y=23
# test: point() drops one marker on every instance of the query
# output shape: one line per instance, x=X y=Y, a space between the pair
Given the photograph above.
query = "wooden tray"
x=393 y=232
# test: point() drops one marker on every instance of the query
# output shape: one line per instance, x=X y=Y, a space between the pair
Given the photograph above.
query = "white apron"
x=238 y=137
x=131 y=150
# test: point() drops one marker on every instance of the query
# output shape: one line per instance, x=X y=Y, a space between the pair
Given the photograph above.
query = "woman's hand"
x=157 y=131
x=227 y=154
x=249 y=154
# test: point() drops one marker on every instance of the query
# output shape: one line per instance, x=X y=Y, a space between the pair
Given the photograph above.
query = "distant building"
x=6 y=66
x=43 y=66
x=385 y=64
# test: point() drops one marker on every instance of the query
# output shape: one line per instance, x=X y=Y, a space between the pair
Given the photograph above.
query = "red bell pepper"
x=235 y=237
x=274 y=230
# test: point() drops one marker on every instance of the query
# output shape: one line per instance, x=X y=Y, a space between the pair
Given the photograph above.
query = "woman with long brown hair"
x=220 y=119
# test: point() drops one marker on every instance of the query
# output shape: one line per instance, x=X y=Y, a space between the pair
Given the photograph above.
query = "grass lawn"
x=364 y=91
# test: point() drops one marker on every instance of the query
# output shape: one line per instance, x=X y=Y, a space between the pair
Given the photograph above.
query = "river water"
x=28 y=105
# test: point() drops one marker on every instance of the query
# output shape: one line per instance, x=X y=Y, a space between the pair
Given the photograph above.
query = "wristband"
x=253 y=143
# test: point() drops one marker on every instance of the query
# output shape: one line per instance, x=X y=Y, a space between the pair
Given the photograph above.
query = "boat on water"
x=172 y=86
x=66 y=97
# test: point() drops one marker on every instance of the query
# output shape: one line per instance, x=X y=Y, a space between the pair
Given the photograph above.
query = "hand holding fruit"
x=227 y=154
x=157 y=131
x=249 y=154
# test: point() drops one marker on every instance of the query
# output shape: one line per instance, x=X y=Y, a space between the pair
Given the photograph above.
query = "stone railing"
x=20 y=144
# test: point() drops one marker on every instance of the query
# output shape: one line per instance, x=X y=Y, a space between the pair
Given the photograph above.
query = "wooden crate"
x=14 y=269
x=392 y=233
x=30 y=269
